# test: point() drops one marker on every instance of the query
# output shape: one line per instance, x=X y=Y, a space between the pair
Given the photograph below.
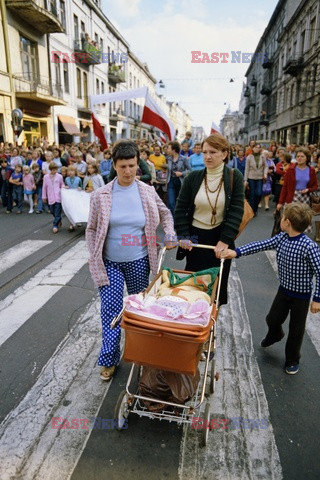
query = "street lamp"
x=17 y=116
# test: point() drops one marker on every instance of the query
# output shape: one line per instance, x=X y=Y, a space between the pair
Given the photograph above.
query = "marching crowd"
x=85 y=166
x=198 y=193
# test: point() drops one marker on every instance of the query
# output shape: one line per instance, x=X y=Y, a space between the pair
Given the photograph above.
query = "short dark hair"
x=299 y=215
x=124 y=150
x=145 y=150
x=175 y=146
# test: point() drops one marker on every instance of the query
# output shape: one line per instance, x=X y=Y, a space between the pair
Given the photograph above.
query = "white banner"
x=75 y=204
x=118 y=96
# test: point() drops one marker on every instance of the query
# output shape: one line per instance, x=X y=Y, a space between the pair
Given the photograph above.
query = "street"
x=49 y=343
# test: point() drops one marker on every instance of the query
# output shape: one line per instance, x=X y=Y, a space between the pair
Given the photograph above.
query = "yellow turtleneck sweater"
x=202 y=216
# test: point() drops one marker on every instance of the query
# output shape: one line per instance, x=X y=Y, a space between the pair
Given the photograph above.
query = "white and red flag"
x=99 y=132
x=153 y=115
x=214 y=128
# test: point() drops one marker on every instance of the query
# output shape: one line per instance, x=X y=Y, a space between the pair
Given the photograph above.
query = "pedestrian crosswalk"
x=69 y=387
x=15 y=254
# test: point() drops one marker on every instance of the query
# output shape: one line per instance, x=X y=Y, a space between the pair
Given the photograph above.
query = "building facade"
x=283 y=83
x=57 y=53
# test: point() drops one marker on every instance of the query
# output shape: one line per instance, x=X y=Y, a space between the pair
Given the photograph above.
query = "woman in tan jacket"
x=255 y=174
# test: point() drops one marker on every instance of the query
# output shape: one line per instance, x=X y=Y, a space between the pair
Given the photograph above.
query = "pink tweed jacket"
x=98 y=222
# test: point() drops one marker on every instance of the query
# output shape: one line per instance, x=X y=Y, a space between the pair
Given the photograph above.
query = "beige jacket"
x=253 y=172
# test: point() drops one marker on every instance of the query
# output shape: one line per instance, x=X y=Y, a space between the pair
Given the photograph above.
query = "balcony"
x=246 y=110
x=35 y=87
x=117 y=115
x=293 y=66
x=247 y=92
x=88 y=53
x=264 y=121
x=252 y=103
x=35 y=13
x=265 y=89
x=268 y=62
x=116 y=74
x=253 y=82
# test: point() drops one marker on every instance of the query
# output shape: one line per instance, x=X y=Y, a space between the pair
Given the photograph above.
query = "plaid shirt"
x=298 y=260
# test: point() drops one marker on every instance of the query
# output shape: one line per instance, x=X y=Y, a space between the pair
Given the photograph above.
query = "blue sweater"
x=298 y=260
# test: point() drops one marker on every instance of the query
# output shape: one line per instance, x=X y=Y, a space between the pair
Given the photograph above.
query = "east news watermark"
x=228 y=57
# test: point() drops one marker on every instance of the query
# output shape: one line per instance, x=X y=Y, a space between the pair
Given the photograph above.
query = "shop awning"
x=69 y=124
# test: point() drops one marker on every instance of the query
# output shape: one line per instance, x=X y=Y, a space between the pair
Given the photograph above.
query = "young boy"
x=16 y=180
x=298 y=259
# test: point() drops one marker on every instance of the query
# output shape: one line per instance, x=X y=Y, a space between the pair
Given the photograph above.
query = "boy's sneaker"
x=292 y=369
x=30 y=211
x=266 y=342
x=38 y=211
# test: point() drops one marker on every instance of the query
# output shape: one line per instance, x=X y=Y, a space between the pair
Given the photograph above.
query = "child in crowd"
x=298 y=259
x=105 y=165
x=73 y=181
x=51 y=193
x=29 y=186
x=38 y=180
x=145 y=155
x=93 y=179
x=16 y=180
x=6 y=186
x=64 y=173
x=80 y=164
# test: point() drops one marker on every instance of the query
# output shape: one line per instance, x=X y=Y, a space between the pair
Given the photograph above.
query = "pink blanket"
x=168 y=308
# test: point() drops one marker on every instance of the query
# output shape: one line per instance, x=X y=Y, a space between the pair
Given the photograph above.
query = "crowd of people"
x=196 y=191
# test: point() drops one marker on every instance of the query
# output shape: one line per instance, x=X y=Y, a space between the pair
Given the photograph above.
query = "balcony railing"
x=90 y=54
x=36 y=14
x=268 y=62
x=116 y=74
x=253 y=82
x=264 y=121
x=39 y=88
x=246 y=110
x=293 y=66
x=265 y=89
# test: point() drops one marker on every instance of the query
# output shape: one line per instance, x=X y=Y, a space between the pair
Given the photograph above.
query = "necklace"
x=213 y=207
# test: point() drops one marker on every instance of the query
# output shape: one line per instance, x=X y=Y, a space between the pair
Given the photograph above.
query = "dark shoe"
x=292 y=369
x=38 y=211
x=18 y=212
x=266 y=342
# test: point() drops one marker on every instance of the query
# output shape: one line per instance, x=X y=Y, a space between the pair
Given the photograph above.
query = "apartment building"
x=25 y=70
x=283 y=89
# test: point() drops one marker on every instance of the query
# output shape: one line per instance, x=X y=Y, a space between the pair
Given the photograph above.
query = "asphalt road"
x=47 y=369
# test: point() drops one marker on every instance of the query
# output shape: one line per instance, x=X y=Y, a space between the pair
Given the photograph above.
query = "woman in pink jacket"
x=51 y=193
x=121 y=239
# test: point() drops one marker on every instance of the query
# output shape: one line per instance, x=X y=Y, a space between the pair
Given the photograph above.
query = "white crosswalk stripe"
x=243 y=452
x=19 y=252
x=18 y=307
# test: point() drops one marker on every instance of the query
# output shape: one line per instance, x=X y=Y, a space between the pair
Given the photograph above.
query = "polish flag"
x=98 y=131
x=162 y=138
x=214 y=128
x=153 y=115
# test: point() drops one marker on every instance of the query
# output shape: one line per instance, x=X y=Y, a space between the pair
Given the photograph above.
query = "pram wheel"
x=121 y=411
x=205 y=425
x=212 y=376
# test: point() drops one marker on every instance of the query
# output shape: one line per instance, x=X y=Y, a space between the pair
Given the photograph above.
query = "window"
x=79 y=93
x=63 y=13
x=52 y=6
x=66 y=76
x=28 y=52
x=83 y=28
x=85 y=89
x=302 y=38
x=101 y=44
x=57 y=74
x=96 y=38
x=97 y=87
x=76 y=27
x=312 y=32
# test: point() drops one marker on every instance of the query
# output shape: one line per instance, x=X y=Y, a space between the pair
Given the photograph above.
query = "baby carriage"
x=170 y=347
